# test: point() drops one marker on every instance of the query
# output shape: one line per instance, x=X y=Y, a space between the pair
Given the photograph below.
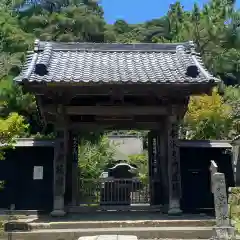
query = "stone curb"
x=110 y=224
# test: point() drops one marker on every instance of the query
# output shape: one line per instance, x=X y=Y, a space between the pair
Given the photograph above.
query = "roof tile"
x=114 y=63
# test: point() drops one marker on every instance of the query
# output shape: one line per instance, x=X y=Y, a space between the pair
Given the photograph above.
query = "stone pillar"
x=60 y=160
x=174 y=172
x=223 y=228
x=75 y=194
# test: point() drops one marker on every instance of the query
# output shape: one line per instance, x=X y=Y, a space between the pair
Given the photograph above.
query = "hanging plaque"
x=38 y=172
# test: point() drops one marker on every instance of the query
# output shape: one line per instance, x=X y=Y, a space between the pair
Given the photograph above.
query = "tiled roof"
x=114 y=63
x=236 y=139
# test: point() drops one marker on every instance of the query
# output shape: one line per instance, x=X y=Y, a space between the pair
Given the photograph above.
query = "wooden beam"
x=111 y=110
x=121 y=125
x=156 y=89
x=87 y=126
x=39 y=103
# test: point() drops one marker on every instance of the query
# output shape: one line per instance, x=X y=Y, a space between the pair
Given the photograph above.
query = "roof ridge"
x=110 y=47
x=236 y=138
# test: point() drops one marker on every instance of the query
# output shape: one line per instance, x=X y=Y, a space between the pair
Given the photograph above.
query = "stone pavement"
x=110 y=237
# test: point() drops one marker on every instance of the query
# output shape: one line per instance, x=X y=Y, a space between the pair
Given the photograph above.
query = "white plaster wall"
x=128 y=145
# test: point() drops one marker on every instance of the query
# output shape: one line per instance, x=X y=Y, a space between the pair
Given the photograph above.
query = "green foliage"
x=208 y=117
x=13 y=99
x=234 y=206
x=215 y=29
x=94 y=157
x=11 y=127
x=74 y=22
x=121 y=27
x=232 y=97
x=141 y=161
x=40 y=136
x=1 y=226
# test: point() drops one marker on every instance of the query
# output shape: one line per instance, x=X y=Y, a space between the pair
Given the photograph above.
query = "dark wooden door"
x=195 y=176
x=7 y=179
x=34 y=194
x=196 y=190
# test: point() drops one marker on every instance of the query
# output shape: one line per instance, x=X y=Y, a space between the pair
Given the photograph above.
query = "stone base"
x=174 y=211
x=58 y=206
x=165 y=208
x=58 y=213
x=174 y=207
x=225 y=233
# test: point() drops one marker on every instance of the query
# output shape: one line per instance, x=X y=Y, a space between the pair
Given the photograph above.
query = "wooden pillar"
x=158 y=182
x=69 y=189
x=60 y=160
x=157 y=171
x=150 y=167
x=163 y=159
x=75 y=170
x=174 y=172
x=154 y=168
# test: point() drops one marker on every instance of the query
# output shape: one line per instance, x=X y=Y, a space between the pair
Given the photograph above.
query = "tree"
x=214 y=28
x=94 y=157
x=208 y=117
x=14 y=105
x=11 y=127
x=72 y=21
x=12 y=124
x=121 y=26
x=232 y=97
x=141 y=161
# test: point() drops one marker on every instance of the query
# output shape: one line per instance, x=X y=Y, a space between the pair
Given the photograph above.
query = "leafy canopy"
x=208 y=117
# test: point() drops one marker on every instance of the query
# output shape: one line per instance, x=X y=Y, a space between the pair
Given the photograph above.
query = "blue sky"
x=138 y=11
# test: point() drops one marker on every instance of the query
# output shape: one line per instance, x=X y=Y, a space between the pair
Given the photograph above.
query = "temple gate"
x=90 y=86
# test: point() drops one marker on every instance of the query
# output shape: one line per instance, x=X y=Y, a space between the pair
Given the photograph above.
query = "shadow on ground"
x=120 y=216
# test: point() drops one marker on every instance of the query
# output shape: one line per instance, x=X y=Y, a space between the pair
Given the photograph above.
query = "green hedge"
x=234 y=202
x=234 y=206
x=1 y=225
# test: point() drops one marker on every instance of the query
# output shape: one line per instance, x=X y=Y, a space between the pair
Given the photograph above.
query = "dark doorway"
x=195 y=174
x=7 y=175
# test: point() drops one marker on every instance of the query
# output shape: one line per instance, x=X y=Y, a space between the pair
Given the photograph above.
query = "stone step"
x=140 y=232
x=117 y=224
